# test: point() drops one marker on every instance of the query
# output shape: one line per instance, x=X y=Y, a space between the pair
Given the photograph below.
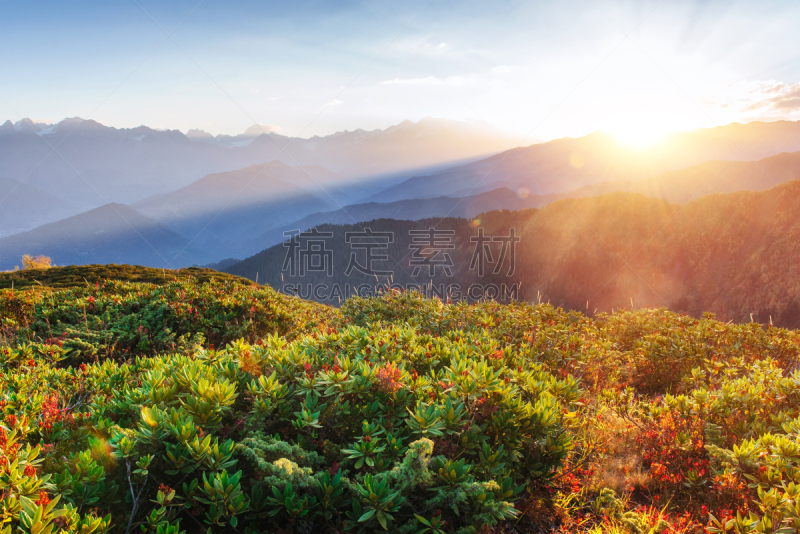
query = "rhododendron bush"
x=215 y=405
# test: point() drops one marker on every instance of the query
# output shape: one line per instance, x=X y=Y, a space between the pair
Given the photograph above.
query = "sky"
x=534 y=70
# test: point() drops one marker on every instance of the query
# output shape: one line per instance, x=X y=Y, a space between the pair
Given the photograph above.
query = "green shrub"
x=189 y=406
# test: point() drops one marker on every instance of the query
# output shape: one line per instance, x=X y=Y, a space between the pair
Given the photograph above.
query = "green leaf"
x=382 y=520
x=367 y=516
x=422 y=520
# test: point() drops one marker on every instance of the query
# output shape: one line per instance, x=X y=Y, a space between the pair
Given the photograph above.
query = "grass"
x=75 y=276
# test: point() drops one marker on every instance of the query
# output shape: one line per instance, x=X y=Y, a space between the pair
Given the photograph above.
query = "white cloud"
x=779 y=97
x=761 y=99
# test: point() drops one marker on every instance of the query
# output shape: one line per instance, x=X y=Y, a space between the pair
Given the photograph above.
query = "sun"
x=639 y=138
x=637 y=132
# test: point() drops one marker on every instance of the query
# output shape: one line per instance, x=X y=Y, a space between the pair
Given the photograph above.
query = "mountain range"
x=675 y=186
x=566 y=164
x=22 y=203
x=411 y=210
x=87 y=164
x=361 y=153
x=223 y=210
x=114 y=233
x=238 y=211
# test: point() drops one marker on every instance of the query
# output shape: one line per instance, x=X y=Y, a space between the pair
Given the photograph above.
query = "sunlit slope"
x=731 y=254
x=567 y=164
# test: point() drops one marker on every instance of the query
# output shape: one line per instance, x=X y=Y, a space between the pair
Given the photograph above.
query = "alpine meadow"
x=425 y=267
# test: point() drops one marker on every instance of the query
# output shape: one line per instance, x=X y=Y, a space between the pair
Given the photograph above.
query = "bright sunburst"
x=639 y=138
x=637 y=132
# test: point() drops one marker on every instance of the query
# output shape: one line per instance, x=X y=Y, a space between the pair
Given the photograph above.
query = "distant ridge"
x=707 y=178
x=23 y=207
x=94 y=163
x=563 y=165
x=416 y=209
x=238 y=213
x=113 y=233
x=222 y=211
x=675 y=186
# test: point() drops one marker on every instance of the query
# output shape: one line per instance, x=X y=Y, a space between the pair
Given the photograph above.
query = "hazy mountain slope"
x=675 y=186
x=93 y=163
x=567 y=164
x=732 y=254
x=707 y=178
x=23 y=206
x=501 y=198
x=359 y=153
x=399 y=147
x=113 y=233
x=222 y=211
x=543 y=168
x=236 y=189
x=238 y=213
x=601 y=252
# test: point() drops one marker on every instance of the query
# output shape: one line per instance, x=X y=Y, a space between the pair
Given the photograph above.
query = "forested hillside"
x=732 y=254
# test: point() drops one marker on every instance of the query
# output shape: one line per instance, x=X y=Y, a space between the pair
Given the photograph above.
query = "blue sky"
x=537 y=70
